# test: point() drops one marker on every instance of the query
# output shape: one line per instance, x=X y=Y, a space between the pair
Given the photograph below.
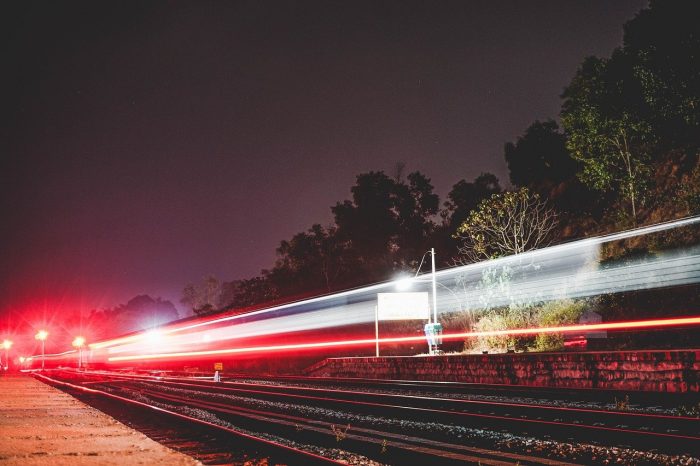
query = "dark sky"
x=148 y=144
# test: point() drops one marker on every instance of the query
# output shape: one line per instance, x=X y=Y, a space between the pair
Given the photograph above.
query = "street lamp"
x=433 y=329
x=41 y=335
x=7 y=344
x=405 y=283
x=78 y=343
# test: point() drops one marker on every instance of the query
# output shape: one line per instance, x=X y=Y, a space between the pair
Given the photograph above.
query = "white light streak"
x=567 y=271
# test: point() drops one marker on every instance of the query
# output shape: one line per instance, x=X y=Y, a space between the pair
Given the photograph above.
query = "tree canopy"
x=663 y=43
x=204 y=297
x=623 y=114
x=465 y=196
x=387 y=223
x=139 y=313
x=313 y=260
x=539 y=158
x=605 y=129
x=506 y=223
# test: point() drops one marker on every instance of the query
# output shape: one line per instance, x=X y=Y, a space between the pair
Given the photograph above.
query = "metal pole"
x=376 y=331
x=432 y=255
x=42 y=355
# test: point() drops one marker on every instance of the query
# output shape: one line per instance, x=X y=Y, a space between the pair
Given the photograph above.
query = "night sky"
x=146 y=145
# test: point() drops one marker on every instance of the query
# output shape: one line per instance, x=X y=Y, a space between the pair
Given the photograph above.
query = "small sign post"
x=218 y=366
x=376 y=331
x=399 y=306
x=403 y=306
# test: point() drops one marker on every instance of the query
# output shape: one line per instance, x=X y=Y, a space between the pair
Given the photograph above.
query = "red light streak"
x=639 y=324
x=116 y=341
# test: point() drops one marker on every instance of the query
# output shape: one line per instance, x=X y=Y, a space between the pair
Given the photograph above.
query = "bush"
x=555 y=313
x=551 y=314
x=502 y=319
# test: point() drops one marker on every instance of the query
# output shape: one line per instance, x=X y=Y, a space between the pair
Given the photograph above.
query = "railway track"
x=285 y=411
x=206 y=441
x=462 y=388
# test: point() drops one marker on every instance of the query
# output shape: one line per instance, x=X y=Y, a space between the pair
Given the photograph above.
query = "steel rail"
x=574 y=414
x=364 y=440
x=556 y=428
x=289 y=454
x=524 y=391
x=527 y=391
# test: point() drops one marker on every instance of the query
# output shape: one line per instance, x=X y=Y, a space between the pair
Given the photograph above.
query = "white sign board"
x=403 y=306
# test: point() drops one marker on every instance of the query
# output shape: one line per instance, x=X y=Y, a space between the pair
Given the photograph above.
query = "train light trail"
x=566 y=271
x=644 y=324
x=570 y=271
x=154 y=337
x=116 y=341
x=562 y=283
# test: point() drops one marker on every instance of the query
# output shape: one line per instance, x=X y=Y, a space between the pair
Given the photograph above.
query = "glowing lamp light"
x=41 y=336
x=79 y=342
x=22 y=359
x=404 y=283
x=7 y=344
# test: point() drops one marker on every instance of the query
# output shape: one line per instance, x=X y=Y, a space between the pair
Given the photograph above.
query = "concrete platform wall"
x=666 y=371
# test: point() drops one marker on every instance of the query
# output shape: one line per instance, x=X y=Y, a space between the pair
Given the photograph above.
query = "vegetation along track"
x=387 y=426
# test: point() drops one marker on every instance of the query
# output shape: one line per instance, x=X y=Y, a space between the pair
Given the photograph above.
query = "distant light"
x=41 y=335
x=22 y=359
x=78 y=342
x=7 y=344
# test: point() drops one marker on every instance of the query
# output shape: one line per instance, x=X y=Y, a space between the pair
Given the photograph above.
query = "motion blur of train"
x=294 y=335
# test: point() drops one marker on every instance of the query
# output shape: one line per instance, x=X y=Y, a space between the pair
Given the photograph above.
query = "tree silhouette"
x=539 y=159
x=506 y=223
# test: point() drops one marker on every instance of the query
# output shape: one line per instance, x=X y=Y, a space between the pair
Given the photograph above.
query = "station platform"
x=41 y=425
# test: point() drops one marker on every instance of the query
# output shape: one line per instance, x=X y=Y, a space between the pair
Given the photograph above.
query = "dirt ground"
x=40 y=425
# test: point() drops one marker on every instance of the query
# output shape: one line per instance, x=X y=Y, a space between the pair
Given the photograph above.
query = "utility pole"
x=432 y=255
